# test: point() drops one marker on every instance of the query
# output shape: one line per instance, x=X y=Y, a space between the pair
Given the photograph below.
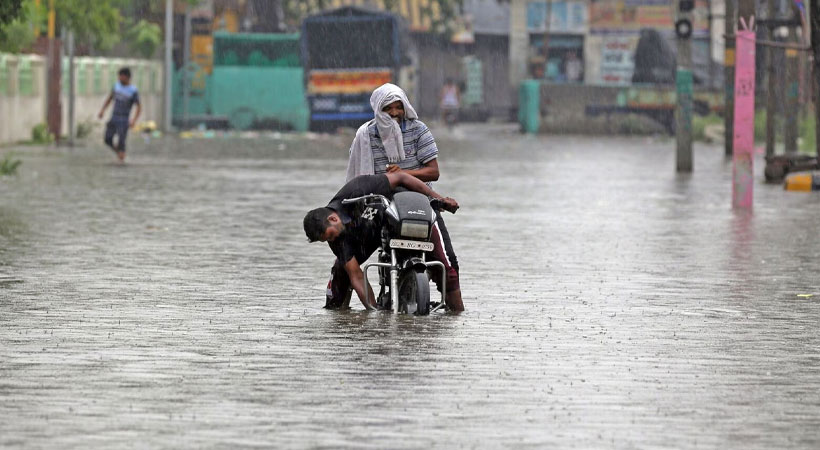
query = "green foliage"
x=93 y=21
x=144 y=38
x=18 y=33
x=700 y=123
x=41 y=135
x=85 y=128
x=10 y=10
x=760 y=125
x=634 y=124
x=808 y=134
x=9 y=165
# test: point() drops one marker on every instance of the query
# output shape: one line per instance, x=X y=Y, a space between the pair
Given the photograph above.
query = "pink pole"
x=744 y=127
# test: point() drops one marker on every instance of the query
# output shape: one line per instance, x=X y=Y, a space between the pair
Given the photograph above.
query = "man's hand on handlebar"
x=448 y=204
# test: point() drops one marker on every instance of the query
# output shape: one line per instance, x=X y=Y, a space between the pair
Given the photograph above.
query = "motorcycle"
x=405 y=239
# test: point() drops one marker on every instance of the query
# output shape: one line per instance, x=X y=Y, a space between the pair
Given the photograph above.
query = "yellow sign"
x=729 y=57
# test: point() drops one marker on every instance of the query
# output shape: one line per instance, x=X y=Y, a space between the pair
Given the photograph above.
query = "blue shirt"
x=124 y=98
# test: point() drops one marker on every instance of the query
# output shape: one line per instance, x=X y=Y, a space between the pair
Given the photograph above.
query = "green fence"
x=4 y=76
x=25 y=77
x=82 y=78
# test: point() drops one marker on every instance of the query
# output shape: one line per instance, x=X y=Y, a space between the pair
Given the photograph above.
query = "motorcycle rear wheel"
x=414 y=293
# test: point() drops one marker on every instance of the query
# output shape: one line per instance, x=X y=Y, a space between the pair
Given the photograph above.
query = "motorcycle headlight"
x=415 y=229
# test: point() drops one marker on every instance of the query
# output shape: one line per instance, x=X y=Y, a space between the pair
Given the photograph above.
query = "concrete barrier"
x=23 y=91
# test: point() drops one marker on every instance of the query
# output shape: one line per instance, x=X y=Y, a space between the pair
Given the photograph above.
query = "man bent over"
x=353 y=237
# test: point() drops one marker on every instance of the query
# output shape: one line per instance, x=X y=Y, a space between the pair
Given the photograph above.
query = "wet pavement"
x=610 y=303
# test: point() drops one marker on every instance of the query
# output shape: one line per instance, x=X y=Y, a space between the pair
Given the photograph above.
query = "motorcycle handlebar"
x=381 y=198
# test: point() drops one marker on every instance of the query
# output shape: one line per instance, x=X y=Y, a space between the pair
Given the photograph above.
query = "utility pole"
x=53 y=65
x=683 y=83
x=71 y=89
x=729 y=22
x=772 y=90
x=186 y=56
x=169 y=62
x=744 y=104
x=518 y=47
x=792 y=87
x=814 y=18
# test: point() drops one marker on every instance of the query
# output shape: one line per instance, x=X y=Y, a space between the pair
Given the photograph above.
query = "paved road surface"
x=174 y=303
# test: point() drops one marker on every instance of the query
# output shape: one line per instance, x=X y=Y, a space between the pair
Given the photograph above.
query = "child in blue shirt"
x=124 y=95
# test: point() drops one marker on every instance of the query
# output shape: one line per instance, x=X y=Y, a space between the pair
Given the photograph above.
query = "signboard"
x=346 y=81
x=629 y=16
x=562 y=16
x=617 y=60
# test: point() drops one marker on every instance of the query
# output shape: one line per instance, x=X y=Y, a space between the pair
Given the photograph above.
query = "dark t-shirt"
x=362 y=234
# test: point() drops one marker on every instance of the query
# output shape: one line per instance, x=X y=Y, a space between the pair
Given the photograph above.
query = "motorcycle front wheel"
x=414 y=293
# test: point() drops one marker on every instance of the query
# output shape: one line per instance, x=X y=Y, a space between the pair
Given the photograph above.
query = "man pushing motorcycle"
x=354 y=235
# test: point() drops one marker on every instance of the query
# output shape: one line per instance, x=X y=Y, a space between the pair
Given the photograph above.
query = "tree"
x=93 y=21
x=144 y=38
x=10 y=10
x=16 y=32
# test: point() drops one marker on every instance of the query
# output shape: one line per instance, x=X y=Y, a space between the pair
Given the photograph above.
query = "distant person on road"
x=449 y=102
x=573 y=67
x=124 y=95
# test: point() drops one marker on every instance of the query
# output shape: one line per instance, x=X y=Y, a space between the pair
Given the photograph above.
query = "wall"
x=620 y=109
x=22 y=96
x=23 y=91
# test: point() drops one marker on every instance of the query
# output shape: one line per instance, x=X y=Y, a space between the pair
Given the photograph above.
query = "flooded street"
x=174 y=302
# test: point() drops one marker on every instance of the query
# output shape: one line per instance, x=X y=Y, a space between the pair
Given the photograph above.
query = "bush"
x=9 y=165
x=41 y=135
x=808 y=135
x=85 y=128
x=700 y=123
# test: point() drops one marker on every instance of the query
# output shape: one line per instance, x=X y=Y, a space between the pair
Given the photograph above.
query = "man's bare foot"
x=454 y=302
x=121 y=156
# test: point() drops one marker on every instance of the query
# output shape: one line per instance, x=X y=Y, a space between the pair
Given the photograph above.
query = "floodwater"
x=611 y=303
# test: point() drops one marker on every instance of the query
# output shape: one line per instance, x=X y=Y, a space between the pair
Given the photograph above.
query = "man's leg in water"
x=110 y=131
x=448 y=245
x=338 y=287
x=122 y=132
x=453 y=295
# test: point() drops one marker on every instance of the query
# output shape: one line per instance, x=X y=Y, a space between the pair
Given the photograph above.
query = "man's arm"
x=354 y=271
x=427 y=173
x=105 y=105
x=136 y=115
x=414 y=184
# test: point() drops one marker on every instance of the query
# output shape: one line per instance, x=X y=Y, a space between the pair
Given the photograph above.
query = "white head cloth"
x=389 y=129
x=361 y=155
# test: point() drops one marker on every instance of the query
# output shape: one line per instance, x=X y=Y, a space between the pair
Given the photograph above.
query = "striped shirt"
x=419 y=146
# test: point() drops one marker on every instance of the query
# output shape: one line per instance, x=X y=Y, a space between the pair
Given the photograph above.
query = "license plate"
x=411 y=245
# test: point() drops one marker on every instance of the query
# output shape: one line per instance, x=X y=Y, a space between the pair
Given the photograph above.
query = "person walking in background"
x=449 y=102
x=573 y=68
x=124 y=95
